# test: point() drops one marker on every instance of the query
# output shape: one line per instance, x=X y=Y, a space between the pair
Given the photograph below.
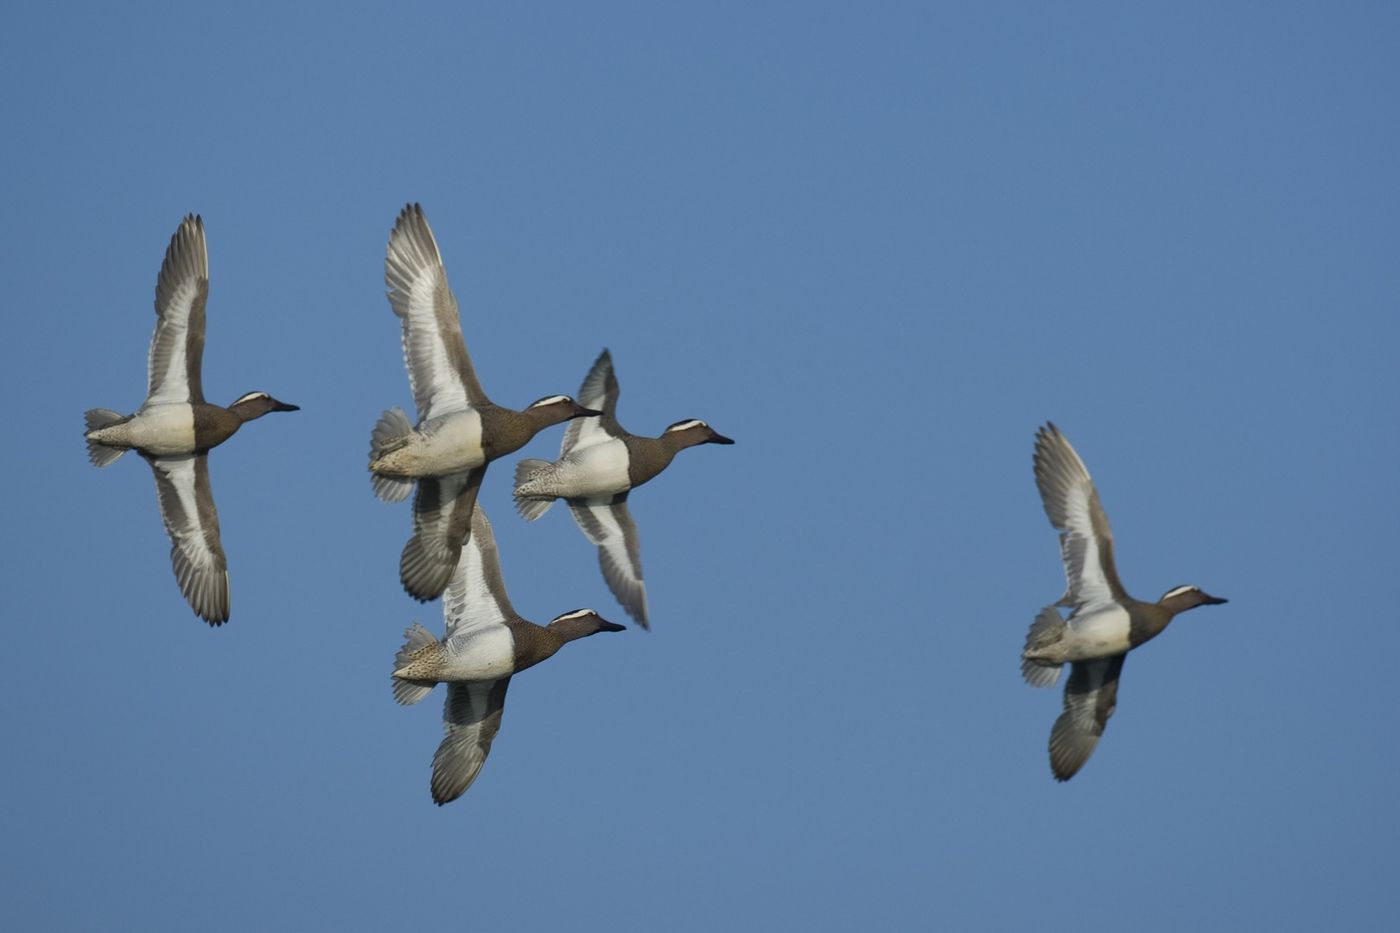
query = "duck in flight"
x=1104 y=623
x=175 y=427
x=459 y=429
x=599 y=464
x=485 y=644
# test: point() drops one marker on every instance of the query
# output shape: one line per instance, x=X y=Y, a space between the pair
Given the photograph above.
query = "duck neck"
x=533 y=644
x=1147 y=621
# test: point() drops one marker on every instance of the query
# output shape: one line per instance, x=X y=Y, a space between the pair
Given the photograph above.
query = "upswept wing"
x=599 y=392
x=1072 y=504
x=476 y=595
x=177 y=346
x=439 y=371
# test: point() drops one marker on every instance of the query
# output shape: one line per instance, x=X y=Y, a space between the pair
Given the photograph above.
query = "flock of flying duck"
x=441 y=461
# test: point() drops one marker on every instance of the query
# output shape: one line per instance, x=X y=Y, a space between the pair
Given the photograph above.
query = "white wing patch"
x=432 y=375
x=167 y=362
x=196 y=554
x=417 y=286
x=468 y=603
x=1080 y=550
x=609 y=525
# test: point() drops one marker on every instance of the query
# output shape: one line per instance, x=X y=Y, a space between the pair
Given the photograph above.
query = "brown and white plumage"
x=176 y=427
x=459 y=430
x=1104 y=622
x=485 y=643
x=599 y=464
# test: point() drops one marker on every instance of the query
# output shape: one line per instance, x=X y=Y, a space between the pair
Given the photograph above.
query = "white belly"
x=482 y=654
x=600 y=470
x=1098 y=634
x=163 y=430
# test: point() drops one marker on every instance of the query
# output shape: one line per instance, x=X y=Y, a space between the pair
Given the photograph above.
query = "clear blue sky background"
x=877 y=245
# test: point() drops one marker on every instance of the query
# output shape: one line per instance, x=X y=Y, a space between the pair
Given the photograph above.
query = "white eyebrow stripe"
x=550 y=400
x=576 y=614
x=683 y=425
x=251 y=395
x=1179 y=590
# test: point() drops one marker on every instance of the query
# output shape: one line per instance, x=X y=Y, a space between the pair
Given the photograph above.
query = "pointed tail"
x=388 y=435
x=408 y=692
x=95 y=419
x=530 y=506
x=1047 y=629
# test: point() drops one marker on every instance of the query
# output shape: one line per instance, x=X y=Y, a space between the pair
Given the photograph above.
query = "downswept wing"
x=442 y=513
x=598 y=392
x=187 y=508
x=1091 y=696
x=1072 y=504
x=177 y=346
x=440 y=372
x=470 y=718
x=607 y=522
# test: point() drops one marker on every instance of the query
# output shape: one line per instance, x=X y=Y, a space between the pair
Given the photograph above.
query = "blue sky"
x=877 y=245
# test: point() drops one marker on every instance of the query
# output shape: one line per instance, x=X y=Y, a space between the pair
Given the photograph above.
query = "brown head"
x=553 y=409
x=256 y=404
x=691 y=432
x=580 y=624
x=1179 y=599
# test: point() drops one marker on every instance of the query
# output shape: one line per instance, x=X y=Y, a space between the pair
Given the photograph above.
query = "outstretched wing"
x=599 y=392
x=1091 y=695
x=607 y=522
x=187 y=508
x=471 y=718
x=1072 y=504
x=439 y=371
x=177 y=346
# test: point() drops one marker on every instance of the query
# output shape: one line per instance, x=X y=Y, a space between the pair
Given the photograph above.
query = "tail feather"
x=95 y=419
x=530 y=506
x=391 y=488
x=389 y=433
x=1047 y=629
x=408 y=692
